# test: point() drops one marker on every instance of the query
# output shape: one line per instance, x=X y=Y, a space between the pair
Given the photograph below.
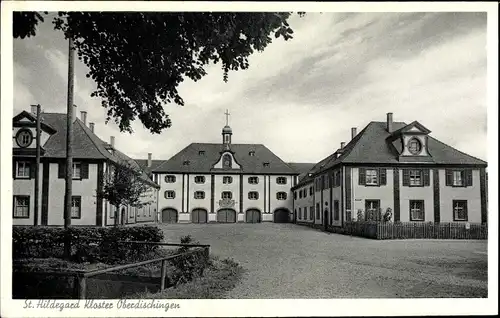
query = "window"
x=169 y=179
x=414 y=146
x=417 y=210
x=24 y=138
x=305 y=193
x=460 y=210
x=371 y=177
x=199 y=194
x=415 y=177
x=23 y=169
x=199 y=179
x=77 y=170
x=336 y=179
x=76 y=207
x=201 y=152
x=21 y=206
x=295 y=195
x=227 y=195
x=311 y=191
x=311 y=212
x=317 y=211
x=227 y=180
x=253 y=180
x=325 y=182
x=281 y=180
x=253 y=195
x=372 y=208
x=227 y=161
x=458 y=179
x=186 y=163
x=169 y=194
x=281 y=195
x=336 y=210
x=265 y=164
x=300 y=194
x=251 y=153
x=300 y=213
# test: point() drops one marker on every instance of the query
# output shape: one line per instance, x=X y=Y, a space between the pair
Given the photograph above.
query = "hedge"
x=88 y=244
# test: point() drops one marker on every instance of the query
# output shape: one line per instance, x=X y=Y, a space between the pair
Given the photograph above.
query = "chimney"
x=112 y=141
x=91 y=125
x=150 y=155
x=33 y=109
x=342 y=145
x=353 y=132
x=389 y=122
x=73 y=118
x=84 y=117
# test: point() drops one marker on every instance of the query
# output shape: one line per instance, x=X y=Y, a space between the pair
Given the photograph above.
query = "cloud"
x=301 y=97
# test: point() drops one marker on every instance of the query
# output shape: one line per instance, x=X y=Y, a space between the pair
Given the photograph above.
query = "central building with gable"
x=224 y=183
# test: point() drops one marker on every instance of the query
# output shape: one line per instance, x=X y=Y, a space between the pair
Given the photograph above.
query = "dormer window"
x=415 y=146
x=24 y=138
x=201 y=152
x=251 y=153
x=266 y=164
x=185 y=163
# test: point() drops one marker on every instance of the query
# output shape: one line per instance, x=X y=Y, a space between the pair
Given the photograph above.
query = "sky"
x=301 y=97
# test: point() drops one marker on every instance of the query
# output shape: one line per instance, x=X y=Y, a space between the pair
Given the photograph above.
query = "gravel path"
x=291 y=261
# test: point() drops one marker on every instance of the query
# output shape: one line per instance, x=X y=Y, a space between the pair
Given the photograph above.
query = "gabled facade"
x=92 y=157
x=393 y=168
x=224 y=183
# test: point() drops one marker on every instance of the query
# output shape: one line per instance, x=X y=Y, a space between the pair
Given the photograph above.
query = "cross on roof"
x=227 y=116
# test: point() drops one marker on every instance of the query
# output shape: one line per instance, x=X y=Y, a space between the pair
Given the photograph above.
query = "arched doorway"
x=226 y=216
x=199 y=216
x=281 y=216
x=169 y=216
x=252 y=216
x=123 y=216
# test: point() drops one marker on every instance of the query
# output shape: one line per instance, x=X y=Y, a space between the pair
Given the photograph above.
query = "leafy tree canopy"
x=138 y=59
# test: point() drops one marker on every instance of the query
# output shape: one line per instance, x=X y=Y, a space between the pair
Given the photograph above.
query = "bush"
x=88 y=244
x=187 y=267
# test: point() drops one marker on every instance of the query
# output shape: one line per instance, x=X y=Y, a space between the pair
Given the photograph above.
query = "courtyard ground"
x=292 y=261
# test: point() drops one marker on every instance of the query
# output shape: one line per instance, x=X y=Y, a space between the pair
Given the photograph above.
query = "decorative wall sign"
x=227 y=203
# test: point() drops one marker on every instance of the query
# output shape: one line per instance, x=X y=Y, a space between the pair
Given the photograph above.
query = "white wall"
x=27 y=187
x=406 y=194
x=360 y=193
x=471 y=194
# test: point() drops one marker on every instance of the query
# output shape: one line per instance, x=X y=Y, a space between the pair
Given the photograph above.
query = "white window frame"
x=199 y=195
x=418 y=143
x=77 y=170
x=253 y=195
x=416 y=177
x=371 y=177
x=417 y=208
x=281 y=196
x=253 y=178
x=169 y=178
x=199 y=179
x=23 y=208
x=227 y=179
x=226 y=195
x=281 y=180
x=456 y=207
x=169 y=194
x=458 y=178
x=27 y=165
x=76 y=209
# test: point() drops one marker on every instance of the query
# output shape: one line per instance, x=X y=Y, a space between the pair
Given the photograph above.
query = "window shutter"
x=427 y=179
x=362 y=176
x=13 y=169
x=468 y=177
x=32 y=170
x=449 y=178
x=84 y=170
x=383 y=176
x=406 y=177
x=61 y=170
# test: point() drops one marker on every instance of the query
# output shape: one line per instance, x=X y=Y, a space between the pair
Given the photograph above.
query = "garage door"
x=199 y=216
x=226 y=216
x=253 y=216
x=169 y=216
x=281 y=216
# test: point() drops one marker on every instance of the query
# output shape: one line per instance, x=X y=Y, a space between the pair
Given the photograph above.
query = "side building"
x=224 y=183
x=92 y=159
x=394 y=168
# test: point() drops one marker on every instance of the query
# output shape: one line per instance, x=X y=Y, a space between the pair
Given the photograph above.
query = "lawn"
x=291 y=261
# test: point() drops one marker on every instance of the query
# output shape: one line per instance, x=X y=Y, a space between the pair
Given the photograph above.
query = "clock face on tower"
x=24 y=138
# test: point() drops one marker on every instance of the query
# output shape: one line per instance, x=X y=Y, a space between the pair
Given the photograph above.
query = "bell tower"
x=226 y=131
